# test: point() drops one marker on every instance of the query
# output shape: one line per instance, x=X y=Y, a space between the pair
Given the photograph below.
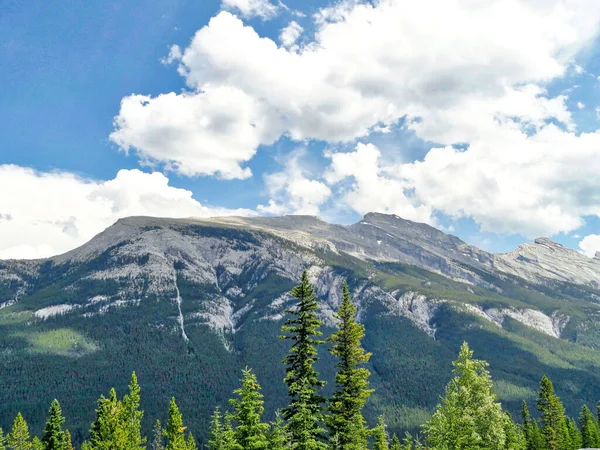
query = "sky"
x=479 y=117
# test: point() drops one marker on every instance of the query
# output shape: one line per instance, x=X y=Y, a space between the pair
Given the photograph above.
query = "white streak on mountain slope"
x=179 y=300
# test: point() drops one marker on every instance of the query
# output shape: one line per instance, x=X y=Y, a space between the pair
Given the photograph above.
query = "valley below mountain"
x=188 y=303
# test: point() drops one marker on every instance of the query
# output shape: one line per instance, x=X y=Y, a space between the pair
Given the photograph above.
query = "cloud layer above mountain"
x=469 y=72
x=52 y=213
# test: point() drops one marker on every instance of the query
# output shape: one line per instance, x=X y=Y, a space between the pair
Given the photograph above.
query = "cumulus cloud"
x=292 y=191
x=373 y=189
x=290 y=34
x=252 y=8
x=50 y=213
x=475 y=75
x=590 y=245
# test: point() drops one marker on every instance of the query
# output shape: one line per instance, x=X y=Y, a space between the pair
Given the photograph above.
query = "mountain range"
x=187 y=303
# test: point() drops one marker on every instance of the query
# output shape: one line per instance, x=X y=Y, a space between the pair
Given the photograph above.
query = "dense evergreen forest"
x=468 y=415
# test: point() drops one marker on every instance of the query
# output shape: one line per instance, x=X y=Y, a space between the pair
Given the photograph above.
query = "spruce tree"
x=18 y=439
x=345 y=420
x=380 y=436
x=304 y=413
x=54 y=436
x=469 y=415
x=68 y=441
x=277 y=436
x=531 y=431
x=229 y=440
x=215 y=437
x=191 y=442
x=250 y=432
x=157 y=437
x=554 y=426
x=175 y=431
x=2 y=440
x=107 y=432
x=36 y=444
x=575 y=439
x=132 y=416
x=590 y=436
x=395 y=445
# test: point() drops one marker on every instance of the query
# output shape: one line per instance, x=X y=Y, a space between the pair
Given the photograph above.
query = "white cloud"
x=580 y=105
x=50 y=213
x=206 y=133
x=590 y=244
x=474 y=74
x=290 y=34
x=374 y=190
x=252 y=8
x=293 y=192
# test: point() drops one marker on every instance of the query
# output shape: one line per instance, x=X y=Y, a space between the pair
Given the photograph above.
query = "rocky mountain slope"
x=188 y=302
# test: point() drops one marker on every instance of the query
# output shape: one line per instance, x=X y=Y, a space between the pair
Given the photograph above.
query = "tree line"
x=468 y=417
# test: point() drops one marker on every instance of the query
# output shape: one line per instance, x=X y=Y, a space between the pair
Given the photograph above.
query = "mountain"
x=187 y=303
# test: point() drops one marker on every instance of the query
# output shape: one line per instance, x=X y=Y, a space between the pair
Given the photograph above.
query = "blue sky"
x=488 y=132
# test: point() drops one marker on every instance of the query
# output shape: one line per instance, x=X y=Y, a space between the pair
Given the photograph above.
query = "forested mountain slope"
x=187 y=303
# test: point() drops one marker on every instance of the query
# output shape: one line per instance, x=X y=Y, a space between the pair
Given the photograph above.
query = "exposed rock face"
x=229 y=257
x=547 y=260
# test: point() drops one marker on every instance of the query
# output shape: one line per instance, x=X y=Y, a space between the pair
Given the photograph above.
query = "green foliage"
x=18 y=439
x=277 y=436
x=250 y=432
x=2 y=440
x=590 y=435
x=68 y=441
x=554 y=426
x=531 y=431
x=175 y=431
x=107 y=432
x=157 y=437
x=345 y=419
x=36 y=444
x=380 y=436
x=469 y=415
x=304 y=411
x=132 y=416
x=54 y=437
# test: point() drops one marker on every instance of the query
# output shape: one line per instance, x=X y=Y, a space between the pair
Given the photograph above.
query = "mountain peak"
x=547 y=242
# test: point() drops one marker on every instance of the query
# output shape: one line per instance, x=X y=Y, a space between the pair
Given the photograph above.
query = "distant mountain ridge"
x=187 y=302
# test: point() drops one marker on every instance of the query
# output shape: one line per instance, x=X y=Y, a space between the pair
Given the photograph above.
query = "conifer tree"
x=54 y=436
x=304 y=413
x=215 y=437
x=2 y=440
x=157 y=437
x=175 y=431
x=395 y=445
x=408 y=442
x=574 y=434
x=380 y=436
x=18 y=439
x=250 y=432
x=191 y=442
x=132 y=416
x=229 y=441
x=469 y=415
x=36 y=444
x=590 y=436
x=554 y=426
x=68 y=441
x=277 y=437
x=107 y=432
x=531 y=431
x=345 y=420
